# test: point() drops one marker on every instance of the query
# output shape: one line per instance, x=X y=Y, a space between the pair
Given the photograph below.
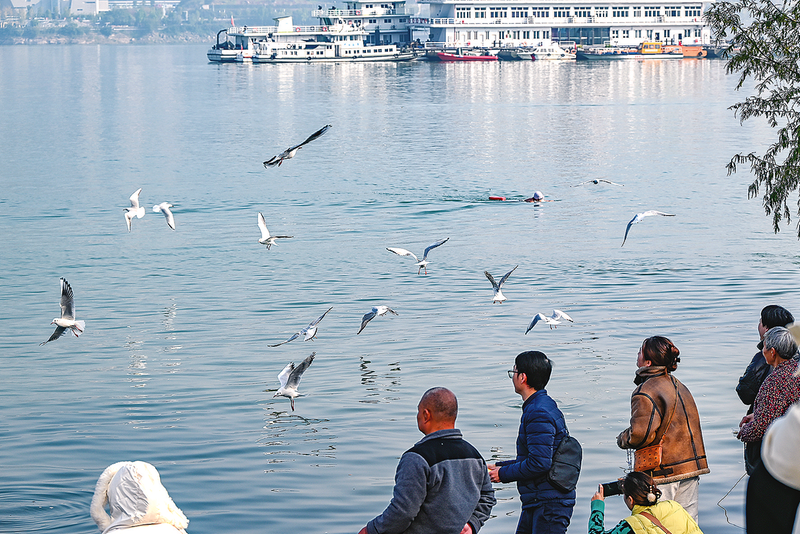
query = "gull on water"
x=290 y=378
x=638 y=218
x=67 y=319
x=597 y=181
x=267 y=239
x=376 y=311
x=290 y=152
x=421 y=264
x=498 y=295
x=310 y=332
x=552 y=320
x=135 y=210
x=164 y=208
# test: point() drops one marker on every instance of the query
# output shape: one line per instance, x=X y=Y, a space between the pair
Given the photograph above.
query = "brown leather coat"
x=683 y=455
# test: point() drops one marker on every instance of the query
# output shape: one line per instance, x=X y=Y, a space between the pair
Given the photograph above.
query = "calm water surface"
x=174 y=367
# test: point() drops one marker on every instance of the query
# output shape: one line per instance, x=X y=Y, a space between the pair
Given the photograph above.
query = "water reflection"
x=377 y=385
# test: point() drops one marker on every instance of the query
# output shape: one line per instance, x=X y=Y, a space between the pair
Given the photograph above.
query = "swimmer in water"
x=537 y=197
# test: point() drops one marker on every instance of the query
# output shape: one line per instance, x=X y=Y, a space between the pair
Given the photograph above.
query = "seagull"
x=498 y=295
x=290 y=152
x=67 y=319
x=267 y=239
x=290 y=378
x=164 y=208
x=134 y=210
x=376 y=311
x=638 y=218
x=421 y=264
x=310 y=332
x=552 y=320
x=597 y=181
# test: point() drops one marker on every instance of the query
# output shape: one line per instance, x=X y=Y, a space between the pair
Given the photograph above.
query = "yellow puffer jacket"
x=671 y=514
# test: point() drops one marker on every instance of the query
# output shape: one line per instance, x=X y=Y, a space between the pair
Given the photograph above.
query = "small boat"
x=552 y=52
x=646 y=50
x=465 y=56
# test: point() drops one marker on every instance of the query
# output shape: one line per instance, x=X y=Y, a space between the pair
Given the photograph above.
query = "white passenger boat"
x=552 y=52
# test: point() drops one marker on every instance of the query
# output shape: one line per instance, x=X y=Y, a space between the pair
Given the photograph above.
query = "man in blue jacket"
x=442 y=483
x=545 y=510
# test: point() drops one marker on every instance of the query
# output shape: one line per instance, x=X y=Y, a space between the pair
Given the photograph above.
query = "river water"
x=174 y=367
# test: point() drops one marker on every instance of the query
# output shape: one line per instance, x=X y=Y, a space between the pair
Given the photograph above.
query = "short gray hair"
x=782 y=341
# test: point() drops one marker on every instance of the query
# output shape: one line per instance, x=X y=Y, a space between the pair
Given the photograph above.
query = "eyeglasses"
x=511 y=373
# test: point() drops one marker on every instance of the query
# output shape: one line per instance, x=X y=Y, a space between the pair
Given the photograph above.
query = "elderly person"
x=781 y=388
x=663 y=410
x=756 y=372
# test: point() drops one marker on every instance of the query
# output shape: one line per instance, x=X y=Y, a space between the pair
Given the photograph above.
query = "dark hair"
x=774 y=315
x=661 y=352
x=536 y=366
x=441 y=402
x=641 y=488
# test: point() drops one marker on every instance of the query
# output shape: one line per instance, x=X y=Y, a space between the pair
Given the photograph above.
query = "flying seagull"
x=421 y=264
x=290 y=378
x=552 y=320
x=310 y=332
x=67 y=319
x=597 y=181
x=376 y=311
x=638 y=218
x=135 y=210
x=267 y=239
x=498 y=295
x=164 y=208
x=290 y=152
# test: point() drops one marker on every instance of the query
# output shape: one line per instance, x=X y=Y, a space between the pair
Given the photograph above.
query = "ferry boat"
x=552 y=52
x=646 y=50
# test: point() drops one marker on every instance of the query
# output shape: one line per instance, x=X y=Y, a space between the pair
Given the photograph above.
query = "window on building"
x=652 y=11
x=536 y=34
x=672 y=11
x=637 y=34
x=480 y=12
x=584 y=11
x=519 y=12
x=615 y=34
x=540 y=12
x=697 y=33
x=619 y=12
x=498 y=12
x=626 y=34
x=637 y=11
x=601 y=11
x=387 y=21
x=649 y=34
x=463 y=13
x=546 y=34
x=667 y=34
x=691 y=11
x=526 y=35
x=560 y=12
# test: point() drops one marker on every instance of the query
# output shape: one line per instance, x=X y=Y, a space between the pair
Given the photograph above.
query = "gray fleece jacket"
x=442 y=483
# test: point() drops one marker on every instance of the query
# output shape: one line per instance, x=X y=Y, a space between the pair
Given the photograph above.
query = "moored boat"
x=647 y=50
x=552 y=52
x=471 y=55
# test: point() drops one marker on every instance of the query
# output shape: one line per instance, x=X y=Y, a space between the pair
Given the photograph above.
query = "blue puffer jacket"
x=541 y=429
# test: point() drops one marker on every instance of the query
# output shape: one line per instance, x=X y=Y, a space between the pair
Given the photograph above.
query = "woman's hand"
x=598 y=495
x=746 y=419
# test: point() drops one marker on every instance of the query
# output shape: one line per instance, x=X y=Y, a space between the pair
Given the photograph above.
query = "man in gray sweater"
x=442 y=484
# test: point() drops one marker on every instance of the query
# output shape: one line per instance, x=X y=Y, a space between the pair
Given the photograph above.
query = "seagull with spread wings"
x=309 y=332
x=164 y=208
x=552 y=320
x=67 y=319
x=290 y=379
x=376 y=311
x=266 y=238
x=498 y=295
x=135 y=210
x=639 y=217
x=597 y=181
x=422 y=264
x=290 y=152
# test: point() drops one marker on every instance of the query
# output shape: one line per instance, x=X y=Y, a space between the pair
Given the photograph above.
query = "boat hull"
x=400 y=56
x=444 y=56
x=587 y=56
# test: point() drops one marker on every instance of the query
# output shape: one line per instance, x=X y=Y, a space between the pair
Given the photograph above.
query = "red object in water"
x=444 y=56
x=497 y=198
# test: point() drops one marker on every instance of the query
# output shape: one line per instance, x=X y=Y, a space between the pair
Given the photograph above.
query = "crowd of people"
x=444 y=486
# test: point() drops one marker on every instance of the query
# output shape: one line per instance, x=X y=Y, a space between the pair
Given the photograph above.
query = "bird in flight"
x=290 y=379
x=267 y=239
x=498 y=295
x=67 y=319
x=597 y=181
x=309 y=332
x=638 y=218
x=135 y=210
x=164 y=208
x=552 y=320
x=376 y=311
x=290 y=152
x=421 y=264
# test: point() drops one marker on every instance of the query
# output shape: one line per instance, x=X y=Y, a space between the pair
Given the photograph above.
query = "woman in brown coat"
x=661 y=406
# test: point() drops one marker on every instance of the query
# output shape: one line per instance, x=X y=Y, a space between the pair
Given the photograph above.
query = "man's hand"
x=467 y=529
x=494 y=472
x=598 y=496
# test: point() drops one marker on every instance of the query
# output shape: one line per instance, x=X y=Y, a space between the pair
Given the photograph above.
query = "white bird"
x=638 y=218
x=552 y=320
x=164 y=208
x=292 y=150
x=421 y=264
x=135 y=210
x=267 y=239
x=498 y=295
x=290 y=378
x=376 y=311
x=597 y=181
x=310 y=332
x=67 y=319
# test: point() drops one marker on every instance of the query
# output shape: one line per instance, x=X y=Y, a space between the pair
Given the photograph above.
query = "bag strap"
x=674 y=409
x=655 y=521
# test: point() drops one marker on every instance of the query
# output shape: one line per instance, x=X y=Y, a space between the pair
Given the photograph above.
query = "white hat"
x=537 y=195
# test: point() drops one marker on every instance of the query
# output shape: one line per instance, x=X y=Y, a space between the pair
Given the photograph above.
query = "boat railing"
x=542 y=21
